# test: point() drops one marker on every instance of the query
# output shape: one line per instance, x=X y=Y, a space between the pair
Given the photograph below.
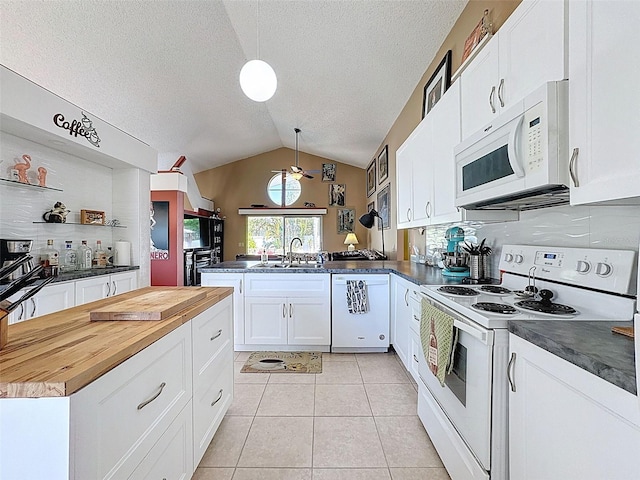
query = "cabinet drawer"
x=213 y=394
x=288 y=284
x=415 y=355
x=121 y=415
x=211 y=331
x=170 y=457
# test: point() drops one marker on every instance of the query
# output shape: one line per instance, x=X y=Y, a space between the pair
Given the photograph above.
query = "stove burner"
x=458 y=291
x=546 y=307
x=491 y=307
x=495 y=289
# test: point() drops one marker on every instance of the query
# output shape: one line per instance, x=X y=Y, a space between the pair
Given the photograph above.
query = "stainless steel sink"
x=286 y=265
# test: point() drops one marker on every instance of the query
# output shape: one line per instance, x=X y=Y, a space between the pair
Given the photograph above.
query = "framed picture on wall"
x=439 y=82
x=371 y=178
x=328 y=172
x=346 y=219
x=336 y=194
x=371 y=206
x=383 y=165
x=384 y=207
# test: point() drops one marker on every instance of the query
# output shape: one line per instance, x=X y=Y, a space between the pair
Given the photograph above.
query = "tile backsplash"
x=611 y=227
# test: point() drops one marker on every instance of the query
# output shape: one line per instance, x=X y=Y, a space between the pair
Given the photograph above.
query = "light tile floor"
x=354 y=421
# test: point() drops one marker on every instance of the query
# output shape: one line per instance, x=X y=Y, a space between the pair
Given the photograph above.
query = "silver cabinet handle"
x=115 y=287
x=512 y=363
x=409 y=214
x=416 y=319
x=500 y=92
x=406 y=293
x=219 y=332
x=217 y=398
x=240 y=285
x=572 y=165
x=284 y=310
x=493 y=91
x=147 y=402
x=290 y=310
x=427 y=209
x=108 y=289
x=415 y=359
x=21 y=311
x=33 y=303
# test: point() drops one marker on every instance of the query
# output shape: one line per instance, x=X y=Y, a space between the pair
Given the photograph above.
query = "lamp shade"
x=258 y=80
x=351 y=239
x=368 y=219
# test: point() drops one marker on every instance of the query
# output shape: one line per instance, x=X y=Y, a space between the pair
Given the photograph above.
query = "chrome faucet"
x=291 y=249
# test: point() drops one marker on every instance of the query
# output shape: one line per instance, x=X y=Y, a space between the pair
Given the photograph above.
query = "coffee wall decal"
x=83 y=128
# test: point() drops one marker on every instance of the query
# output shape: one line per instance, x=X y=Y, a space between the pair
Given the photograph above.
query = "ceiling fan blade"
x=296 y=169
x=306 y=175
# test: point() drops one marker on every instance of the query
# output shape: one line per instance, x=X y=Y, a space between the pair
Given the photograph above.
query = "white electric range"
x=467 y=417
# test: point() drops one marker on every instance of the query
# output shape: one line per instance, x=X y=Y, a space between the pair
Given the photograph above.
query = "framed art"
x=336 y=194
x=92 y=217
x=383 y=165
x=328 y=172
x=481 y=30
x=346 y=220
x=371 y=178
x=439 y=82
x=384 y=207
x=371 y=206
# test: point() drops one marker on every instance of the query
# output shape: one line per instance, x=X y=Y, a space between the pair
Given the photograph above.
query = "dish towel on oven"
x=438 y=337
x=357 y=296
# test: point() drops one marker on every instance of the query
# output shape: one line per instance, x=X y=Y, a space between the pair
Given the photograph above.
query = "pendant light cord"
x=258 y=29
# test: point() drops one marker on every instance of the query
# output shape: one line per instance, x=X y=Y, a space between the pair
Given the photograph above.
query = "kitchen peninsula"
x=118 y=399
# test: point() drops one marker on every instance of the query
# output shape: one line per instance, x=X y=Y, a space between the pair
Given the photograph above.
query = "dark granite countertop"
x=80 y=274
x=591 y=346
x=413 y=272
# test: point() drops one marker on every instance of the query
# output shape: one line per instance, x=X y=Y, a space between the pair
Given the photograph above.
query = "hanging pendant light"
x=257 y=79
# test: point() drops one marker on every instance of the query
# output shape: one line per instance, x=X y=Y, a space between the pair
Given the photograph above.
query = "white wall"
x=608 y=227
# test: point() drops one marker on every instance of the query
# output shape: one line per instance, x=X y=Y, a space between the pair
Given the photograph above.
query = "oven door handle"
x=474 y=332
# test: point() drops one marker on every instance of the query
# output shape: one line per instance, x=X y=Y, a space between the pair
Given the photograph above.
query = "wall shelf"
x=6 y=181
x=83 y=224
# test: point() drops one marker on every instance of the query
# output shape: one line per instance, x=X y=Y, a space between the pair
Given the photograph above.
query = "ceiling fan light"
x=258 y=80
x=296 y=175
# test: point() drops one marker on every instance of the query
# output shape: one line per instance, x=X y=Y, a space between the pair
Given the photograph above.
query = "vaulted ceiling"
x=166 y=71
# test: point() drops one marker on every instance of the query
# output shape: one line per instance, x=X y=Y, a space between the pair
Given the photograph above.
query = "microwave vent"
x=549 y=196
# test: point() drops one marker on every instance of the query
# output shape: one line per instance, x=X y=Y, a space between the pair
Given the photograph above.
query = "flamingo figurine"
x=22 y=169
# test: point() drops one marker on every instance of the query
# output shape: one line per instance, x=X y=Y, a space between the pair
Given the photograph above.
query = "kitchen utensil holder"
x=478 y=266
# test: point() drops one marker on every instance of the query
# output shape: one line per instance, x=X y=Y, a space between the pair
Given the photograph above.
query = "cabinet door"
x=446 y=134
x=236 y=281
x=309 y=321
x=123 y=282
x=402 y=309
x=92 y=289
x=529 y=54
x=603 y=111
x=479 y=89
x=265 y=320
x=53 y=298
x=567 y=423
x=421 y=171
x=404 y=202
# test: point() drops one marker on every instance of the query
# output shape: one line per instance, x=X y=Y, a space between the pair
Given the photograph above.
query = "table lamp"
x=368 y=219
x=351 y=240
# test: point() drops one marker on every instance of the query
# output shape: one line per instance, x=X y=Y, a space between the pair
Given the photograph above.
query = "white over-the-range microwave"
x=520 y=160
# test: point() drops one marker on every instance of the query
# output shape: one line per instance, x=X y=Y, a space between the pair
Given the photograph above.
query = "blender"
x=455 y=259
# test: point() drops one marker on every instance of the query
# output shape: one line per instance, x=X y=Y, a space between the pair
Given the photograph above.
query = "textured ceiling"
x=167 y=71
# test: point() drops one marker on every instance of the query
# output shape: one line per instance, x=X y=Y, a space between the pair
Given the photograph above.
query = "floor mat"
x=283 y=362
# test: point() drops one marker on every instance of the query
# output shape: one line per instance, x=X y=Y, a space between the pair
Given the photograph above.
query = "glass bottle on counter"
x=85 y=256
x=99 y=256
x=69 y=257
x=49 y=259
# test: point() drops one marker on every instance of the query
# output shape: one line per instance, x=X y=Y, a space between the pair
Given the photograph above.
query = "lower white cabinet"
x=288 y=309
x=401 y=314
x=51 y=298
x=567 y=423
x=103 y=286
x=235 y=280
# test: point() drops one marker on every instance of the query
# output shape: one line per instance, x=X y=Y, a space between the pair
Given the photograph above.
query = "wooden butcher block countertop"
x=58 y=354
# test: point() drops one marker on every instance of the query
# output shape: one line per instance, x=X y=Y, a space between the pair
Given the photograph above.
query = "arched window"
x=292 y=189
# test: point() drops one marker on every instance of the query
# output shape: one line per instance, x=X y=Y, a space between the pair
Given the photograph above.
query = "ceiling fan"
x=296 y=171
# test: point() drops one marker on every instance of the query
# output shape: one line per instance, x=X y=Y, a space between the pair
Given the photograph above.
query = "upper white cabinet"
x=603 y=102
x=528 y=50
x=565 y=422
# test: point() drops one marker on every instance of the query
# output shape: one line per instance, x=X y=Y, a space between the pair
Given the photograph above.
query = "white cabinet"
x=566 y=423
x=287 y=309
x=51 y=298
x=603 y=110
x=401 y=313
x=236 y=281
x=528 y=50
x=103 y=286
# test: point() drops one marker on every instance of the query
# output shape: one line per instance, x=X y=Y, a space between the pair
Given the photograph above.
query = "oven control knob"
x=508 y=257
x=604 y=269
x=583 y=266
x=519 y=259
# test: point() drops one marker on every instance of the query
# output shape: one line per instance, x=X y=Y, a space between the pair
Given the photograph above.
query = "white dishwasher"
x=360 y=332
